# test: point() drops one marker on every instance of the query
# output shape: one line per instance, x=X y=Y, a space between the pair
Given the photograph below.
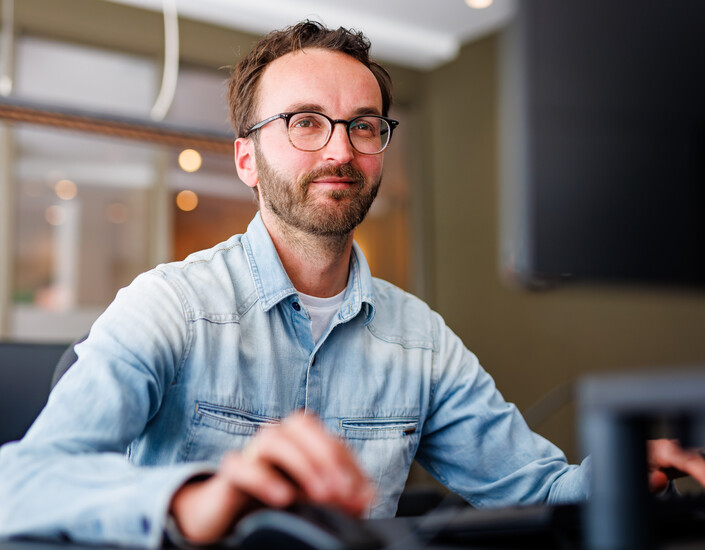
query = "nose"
x=339 y=147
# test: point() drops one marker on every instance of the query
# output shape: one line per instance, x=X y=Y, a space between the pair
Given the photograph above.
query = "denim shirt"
x=194 y=357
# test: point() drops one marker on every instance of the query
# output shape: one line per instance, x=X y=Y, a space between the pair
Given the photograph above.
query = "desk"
x=399 y=535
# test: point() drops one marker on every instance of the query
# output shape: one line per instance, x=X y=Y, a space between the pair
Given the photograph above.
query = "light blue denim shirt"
x=194 y=356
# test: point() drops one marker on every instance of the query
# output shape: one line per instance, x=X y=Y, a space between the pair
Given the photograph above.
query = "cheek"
x=372 y=166
x=284 y=159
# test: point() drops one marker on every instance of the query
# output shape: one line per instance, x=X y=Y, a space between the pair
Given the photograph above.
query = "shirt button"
x=296 y=306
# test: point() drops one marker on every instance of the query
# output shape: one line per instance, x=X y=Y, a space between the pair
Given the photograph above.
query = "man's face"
x=325 y=192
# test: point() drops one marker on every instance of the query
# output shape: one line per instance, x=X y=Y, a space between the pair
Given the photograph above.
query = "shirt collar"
x=360 y=291
x=273 y=284
x=271 y=280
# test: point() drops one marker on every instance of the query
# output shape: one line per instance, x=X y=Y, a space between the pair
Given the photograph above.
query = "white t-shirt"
x=321 y=311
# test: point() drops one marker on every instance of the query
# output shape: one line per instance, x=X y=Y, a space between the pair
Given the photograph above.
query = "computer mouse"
x=304 y=527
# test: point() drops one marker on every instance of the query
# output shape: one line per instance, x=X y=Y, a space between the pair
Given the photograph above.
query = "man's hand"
x=667 y=460
x=295 y=460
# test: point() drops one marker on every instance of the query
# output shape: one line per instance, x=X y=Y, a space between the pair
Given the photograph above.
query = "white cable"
x=7 y=47
x=171 y=61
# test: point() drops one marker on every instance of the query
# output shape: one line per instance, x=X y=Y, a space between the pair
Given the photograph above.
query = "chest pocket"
x=217 y=429
x=385 y=448
x=379 y=428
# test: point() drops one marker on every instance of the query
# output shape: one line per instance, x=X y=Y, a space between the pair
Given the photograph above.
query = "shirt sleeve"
x=479 y=445
x=69 y=477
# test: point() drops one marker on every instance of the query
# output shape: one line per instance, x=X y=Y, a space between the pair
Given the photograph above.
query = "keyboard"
x=674 y=521
x=532 y=526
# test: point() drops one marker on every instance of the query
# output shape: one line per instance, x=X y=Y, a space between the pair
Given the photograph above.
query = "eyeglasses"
x=311 y=131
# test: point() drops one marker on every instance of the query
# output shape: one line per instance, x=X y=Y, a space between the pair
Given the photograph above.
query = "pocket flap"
x=232 y=419
x=379 y=428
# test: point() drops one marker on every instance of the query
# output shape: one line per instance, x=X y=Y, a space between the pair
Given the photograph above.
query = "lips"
x=334 y=180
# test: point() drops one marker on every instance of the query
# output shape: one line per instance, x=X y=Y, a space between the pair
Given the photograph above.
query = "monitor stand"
x=618 y=413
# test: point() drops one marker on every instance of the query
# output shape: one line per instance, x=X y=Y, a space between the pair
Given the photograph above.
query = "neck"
x=317 y=265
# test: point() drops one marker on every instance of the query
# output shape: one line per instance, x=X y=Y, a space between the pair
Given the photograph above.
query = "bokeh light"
x=65 y=189
x=55 y=215
x=479 y=4
x=190 y=160
x=186 y=200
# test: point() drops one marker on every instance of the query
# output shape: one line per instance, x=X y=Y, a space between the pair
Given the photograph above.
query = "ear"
x=245 y=162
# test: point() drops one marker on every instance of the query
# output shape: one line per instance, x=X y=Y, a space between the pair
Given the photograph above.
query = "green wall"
x=529 y=342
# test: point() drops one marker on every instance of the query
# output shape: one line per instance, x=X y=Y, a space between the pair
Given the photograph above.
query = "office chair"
x=67 y=359
x=26 y=371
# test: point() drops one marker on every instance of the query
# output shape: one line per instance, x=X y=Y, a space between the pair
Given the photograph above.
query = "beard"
x=293 y=205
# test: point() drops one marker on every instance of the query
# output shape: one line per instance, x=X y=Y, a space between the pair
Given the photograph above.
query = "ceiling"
x=421 y=34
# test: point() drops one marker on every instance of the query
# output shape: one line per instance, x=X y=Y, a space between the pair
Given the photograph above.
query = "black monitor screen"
x=604 y=142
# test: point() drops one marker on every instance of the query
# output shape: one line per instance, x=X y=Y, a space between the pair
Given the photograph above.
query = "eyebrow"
x=319 y=108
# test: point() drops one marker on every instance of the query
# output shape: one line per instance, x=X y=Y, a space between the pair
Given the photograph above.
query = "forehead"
x=335 y=82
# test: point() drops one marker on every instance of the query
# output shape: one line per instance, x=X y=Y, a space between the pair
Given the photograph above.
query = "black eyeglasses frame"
x=287 y=116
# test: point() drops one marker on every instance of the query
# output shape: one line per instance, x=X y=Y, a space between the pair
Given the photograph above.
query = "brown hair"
x=242 y=89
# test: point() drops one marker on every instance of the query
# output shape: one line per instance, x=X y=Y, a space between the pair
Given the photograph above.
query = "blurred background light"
x=55 y=215
x=190 y=160
x=479 y=4
x=186 y=200
x=65 y=189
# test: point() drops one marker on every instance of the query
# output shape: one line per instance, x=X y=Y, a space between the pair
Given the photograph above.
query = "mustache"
x=341 y=171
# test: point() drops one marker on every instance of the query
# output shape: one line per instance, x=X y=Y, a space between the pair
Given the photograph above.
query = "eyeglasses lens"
x=311 y=131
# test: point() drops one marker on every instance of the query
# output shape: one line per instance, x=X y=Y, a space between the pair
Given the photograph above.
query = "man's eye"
x=305 y=123
x=362 y=125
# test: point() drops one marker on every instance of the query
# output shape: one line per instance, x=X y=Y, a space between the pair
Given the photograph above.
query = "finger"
x=658 y=480
x=279 y=449
x=664 y=454
x=347 y=484
x=317 y=461
x=257 y=479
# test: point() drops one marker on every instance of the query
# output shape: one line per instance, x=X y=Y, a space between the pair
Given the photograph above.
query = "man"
x=273 y=367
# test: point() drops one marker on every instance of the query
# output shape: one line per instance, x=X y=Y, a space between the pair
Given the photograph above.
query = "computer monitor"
x=603 y=143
